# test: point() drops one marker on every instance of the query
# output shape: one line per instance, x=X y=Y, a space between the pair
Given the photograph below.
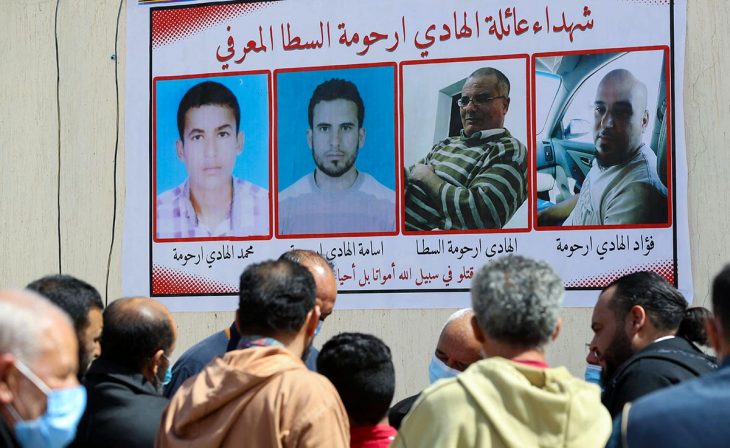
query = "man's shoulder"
x=168 y=198
x=204 y=351
x=298 y=188
x=372 y=186
x=249 y=188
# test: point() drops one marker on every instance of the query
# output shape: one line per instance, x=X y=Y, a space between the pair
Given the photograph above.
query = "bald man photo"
x=622 y=186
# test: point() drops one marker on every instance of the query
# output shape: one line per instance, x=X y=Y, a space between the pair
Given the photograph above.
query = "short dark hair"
x=275 y=297
x=721 y=299
x=502 y=81
x=74 y=296
x=337 y=89
x=203 y=94
x=664 y=305
x=130 y=339
x=361 y=368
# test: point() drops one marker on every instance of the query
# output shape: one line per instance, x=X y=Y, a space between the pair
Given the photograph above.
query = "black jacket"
x=400 y=410
x=657 y=366
x=123 y=408
x=6 y=436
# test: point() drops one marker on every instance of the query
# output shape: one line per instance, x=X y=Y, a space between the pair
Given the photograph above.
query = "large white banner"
x=408 y=142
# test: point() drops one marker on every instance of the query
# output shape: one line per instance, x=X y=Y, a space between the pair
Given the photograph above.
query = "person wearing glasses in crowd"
x=478 y=179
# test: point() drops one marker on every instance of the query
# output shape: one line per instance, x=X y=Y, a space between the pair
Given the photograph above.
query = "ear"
x=714 y=333
x=240 y=139
x=153 y=365
x=8 y=380
x=311 y=321
x=636 y=319
x=645 y=119
x=506 y=104
x=556 y=330
x=180 y=150
x=309 y=138
x=478 y=333
x=361 y=138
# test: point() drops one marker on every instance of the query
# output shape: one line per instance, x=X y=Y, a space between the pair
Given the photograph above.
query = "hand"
x=420 y=172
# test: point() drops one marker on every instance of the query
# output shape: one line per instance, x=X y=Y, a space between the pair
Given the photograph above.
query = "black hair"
x=132 y=338
x=721 y=299
x=337 y=89
x=664 y=305
x=275 y=297
x=692 y=326
x=74 y=296
x=502 y=81
x=205 y=93
x=361 y=369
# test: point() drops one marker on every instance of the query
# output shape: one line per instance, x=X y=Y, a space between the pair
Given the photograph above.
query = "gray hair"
x=24 y=316
x=516 y=300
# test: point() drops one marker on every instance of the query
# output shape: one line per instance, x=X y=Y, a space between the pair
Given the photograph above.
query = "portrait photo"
x=465 y=145
x=211 y=157
x=336 y=151
x=602 y=139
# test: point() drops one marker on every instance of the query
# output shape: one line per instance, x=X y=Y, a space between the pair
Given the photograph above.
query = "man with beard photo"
x=336 y=197
x=622 y=186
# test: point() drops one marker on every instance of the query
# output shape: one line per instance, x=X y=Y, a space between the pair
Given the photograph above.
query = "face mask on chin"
x=56 y=427
x=438 y=370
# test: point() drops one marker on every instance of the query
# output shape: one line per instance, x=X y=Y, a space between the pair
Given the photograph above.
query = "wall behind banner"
x=30 y=154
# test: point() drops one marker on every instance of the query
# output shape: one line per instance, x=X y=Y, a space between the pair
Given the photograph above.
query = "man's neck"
x=212 y=206
x=531 y=355
x=328 y=183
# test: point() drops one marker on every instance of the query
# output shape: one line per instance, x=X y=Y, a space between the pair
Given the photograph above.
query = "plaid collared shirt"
x=248 y=216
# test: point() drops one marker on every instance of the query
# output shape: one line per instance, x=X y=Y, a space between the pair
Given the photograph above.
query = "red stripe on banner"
x=166 y=281
x=171 y=25
x=664 y=268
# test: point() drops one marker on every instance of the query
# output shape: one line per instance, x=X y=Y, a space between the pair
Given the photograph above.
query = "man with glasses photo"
x=478 y=179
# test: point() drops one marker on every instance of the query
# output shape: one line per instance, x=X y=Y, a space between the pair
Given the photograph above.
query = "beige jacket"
x=498 y=403
x=257 y=397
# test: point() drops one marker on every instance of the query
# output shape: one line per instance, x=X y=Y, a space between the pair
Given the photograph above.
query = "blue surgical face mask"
x=57 y=426
x=593 y=374
x=437 y=370
x=319 y=327
x=168 y=376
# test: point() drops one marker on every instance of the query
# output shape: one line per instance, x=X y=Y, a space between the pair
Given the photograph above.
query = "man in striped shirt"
x=476 y=180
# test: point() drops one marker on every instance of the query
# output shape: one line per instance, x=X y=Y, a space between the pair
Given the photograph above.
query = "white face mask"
x=437 y=370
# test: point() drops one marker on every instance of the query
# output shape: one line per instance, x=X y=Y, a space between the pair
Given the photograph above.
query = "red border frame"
x=530 y=150
x=154 y=158
x=396 y=132
x=670 y=174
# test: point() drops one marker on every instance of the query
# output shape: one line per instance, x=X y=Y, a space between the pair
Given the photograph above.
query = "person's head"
x=487 y=93
x=277 y=300
x=83 y=304
x=40 y=397
x=361 y=369
x=620 y=116
x=694 y=325
x=718 y=327
x=208 y=122
x=336 y=132
x=324 y=277
x=631 y=313
x=139 y=334
x=457 y=347
x=516 y=301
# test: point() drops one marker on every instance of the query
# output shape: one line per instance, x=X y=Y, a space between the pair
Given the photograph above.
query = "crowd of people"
x=74 y=373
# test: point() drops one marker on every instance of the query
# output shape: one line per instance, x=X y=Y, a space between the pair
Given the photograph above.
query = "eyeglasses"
x=478 y=100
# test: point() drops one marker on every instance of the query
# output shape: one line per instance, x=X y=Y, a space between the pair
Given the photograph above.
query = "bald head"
x=620 y=117
x=324 y=277
x=135 y=329
x=458 y=346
